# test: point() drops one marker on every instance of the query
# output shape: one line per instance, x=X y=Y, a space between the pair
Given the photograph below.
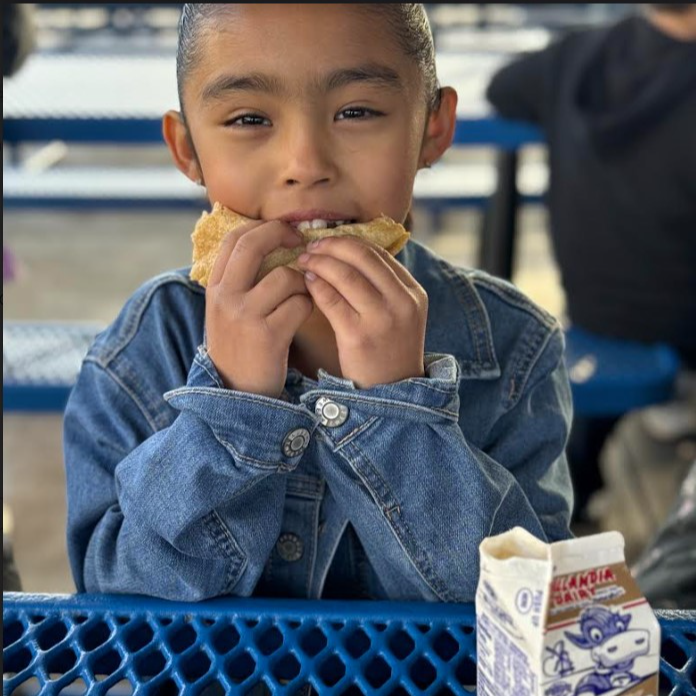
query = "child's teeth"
x=319 y=224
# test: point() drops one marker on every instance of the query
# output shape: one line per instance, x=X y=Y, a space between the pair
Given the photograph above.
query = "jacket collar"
x=458 y=322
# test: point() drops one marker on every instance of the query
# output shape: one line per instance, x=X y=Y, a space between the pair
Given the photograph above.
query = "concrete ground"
x=83 y=266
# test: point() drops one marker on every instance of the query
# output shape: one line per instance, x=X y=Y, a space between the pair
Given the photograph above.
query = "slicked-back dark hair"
x=407 y=21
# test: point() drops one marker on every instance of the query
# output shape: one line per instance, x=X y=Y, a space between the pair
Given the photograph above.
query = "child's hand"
x=250 y=326
x=376 y=309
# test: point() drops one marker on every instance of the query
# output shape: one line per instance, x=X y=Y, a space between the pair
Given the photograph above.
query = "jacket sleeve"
x=185 y=512
x=421 y=498
x=523 y=88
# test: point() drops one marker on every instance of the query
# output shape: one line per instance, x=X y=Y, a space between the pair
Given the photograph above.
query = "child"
x=351 y=431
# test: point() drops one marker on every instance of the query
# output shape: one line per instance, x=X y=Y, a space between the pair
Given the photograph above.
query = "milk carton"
x=562 y=619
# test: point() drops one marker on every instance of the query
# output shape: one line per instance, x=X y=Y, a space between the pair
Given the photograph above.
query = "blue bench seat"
x=40 y=363
x=610 y=377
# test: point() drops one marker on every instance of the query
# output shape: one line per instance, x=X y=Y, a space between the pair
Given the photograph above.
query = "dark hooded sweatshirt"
x=618 y=107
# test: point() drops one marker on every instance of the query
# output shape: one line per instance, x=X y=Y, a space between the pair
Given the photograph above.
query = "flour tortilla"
x=213 y=227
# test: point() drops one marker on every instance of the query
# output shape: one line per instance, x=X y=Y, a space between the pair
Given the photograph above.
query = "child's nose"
x=307 y=159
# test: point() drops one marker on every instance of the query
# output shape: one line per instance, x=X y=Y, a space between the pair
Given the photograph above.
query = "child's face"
x=283 y=124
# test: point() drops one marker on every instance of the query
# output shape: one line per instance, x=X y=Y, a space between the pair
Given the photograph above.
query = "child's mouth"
x=319 y=224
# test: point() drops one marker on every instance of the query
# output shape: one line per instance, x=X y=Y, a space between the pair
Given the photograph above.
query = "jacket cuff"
x=259 y=430
x=437 y=393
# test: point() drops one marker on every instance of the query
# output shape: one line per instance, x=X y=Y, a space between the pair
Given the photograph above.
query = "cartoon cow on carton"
x=613 y=648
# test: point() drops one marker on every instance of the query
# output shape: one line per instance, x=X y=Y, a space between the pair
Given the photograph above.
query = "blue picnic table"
x=120 y=644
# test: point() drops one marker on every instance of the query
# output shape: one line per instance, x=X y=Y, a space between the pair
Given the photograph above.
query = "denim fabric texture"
x=182 y=489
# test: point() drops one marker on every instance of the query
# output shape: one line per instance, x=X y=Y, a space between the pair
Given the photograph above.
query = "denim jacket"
x=183 y=489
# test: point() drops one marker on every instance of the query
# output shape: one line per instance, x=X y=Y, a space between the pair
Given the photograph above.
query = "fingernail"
x=304 y=258
x=309 y=276
x=314 y=244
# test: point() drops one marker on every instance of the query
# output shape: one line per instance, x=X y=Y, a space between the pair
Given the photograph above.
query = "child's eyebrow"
x=255 y=82
x=372 y=72
x=379 y=75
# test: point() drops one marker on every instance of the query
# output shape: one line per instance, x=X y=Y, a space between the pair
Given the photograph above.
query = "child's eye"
x=247 y=120
x=357 y=112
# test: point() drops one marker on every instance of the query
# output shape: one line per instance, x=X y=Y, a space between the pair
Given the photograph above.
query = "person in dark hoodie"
x=617 y=105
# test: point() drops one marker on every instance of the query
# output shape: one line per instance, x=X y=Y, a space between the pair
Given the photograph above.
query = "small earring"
x=427 y=165
x=199 y=181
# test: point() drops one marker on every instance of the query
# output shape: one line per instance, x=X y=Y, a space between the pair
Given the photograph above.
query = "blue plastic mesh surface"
x=90 y=644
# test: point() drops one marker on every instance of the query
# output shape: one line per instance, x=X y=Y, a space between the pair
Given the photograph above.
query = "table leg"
x=497 y=247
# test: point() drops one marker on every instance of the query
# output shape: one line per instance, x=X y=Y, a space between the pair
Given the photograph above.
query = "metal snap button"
x=296 y=442
x=331 y=414
x=290 y=547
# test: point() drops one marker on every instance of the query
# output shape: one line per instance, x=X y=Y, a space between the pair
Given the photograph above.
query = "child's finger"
x=389 y=260
x=330 y=302
x=345 y=279
x=368 y=258
x=252 y=248
x=280 y=284
x=226 y=248
x=399 y=270
x=286 y=320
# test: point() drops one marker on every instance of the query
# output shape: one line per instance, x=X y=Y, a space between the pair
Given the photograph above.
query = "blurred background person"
x=617 y=105
x=18 y=41
x=18 y=38
x=666 y=571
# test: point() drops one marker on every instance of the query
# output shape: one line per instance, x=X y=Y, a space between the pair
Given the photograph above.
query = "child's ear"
x=439 y=130
x=179 y=143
